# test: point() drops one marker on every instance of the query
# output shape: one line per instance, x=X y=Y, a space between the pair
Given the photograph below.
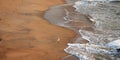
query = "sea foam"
x=96 y=21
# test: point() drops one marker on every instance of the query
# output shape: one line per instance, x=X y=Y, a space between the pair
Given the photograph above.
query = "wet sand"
x=65 y=15
x=26 y=35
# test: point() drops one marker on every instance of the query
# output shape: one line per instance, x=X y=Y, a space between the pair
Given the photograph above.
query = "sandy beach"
x=26 y=35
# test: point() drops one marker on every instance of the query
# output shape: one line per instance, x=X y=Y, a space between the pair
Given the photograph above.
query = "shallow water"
x=96 y=22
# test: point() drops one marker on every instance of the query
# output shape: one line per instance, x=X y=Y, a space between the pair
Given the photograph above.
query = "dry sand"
x=25 y=35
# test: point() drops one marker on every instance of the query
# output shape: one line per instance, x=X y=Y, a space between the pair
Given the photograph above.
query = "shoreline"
x=56 y=15
x=26 y=35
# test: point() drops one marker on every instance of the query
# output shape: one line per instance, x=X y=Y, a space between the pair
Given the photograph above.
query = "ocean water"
x=97 y=23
